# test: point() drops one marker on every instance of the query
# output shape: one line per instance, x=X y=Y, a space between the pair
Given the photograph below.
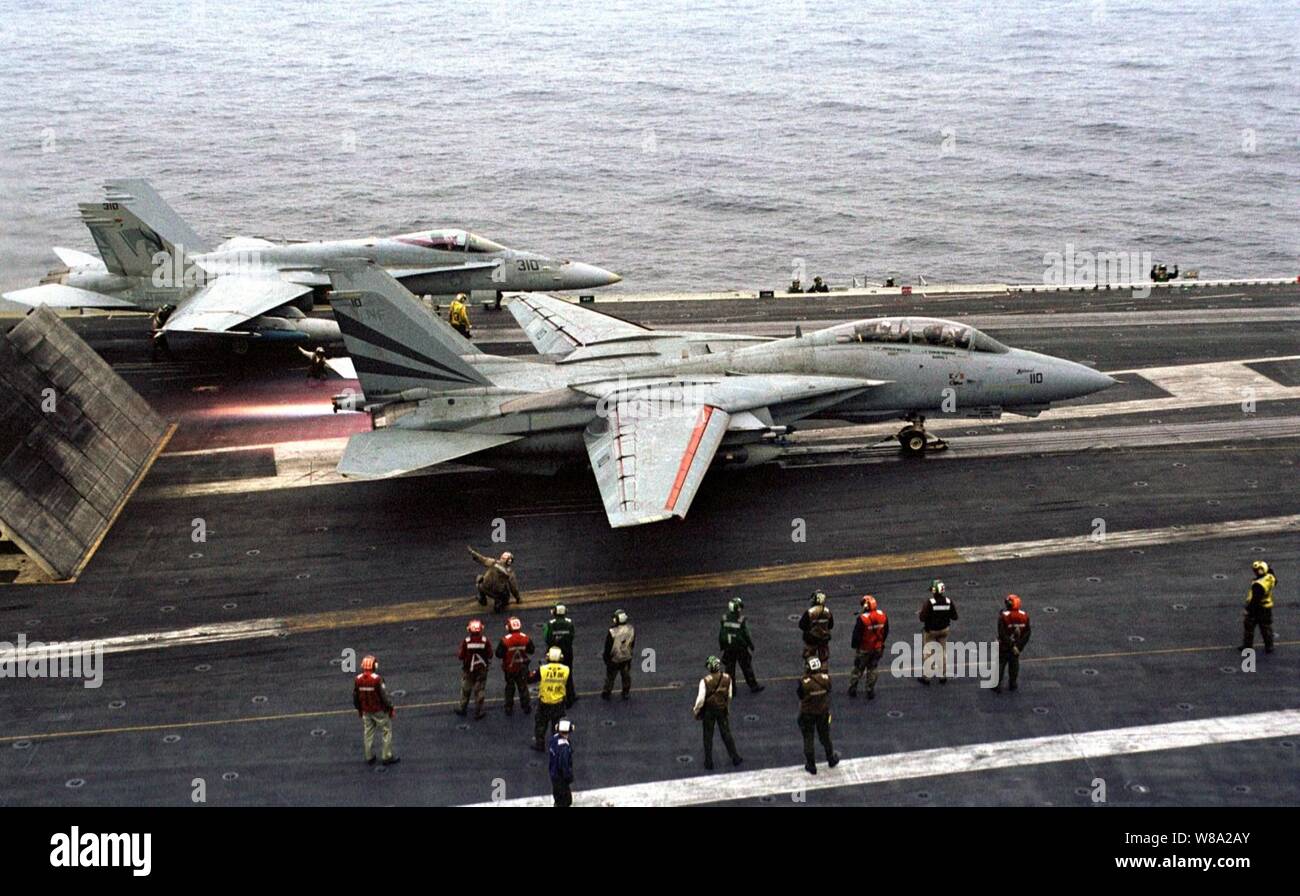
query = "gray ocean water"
x=683 y=145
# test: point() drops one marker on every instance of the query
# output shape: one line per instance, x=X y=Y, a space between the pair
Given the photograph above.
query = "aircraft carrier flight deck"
x=1127 y=521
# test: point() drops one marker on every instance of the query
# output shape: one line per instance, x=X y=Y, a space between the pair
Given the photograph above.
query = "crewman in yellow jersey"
x=1259 y=607
x=458 y=315
x=553 y=682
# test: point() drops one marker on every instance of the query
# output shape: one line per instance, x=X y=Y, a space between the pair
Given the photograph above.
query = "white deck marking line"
x=187 y=637
x=828 y=451
x=1017 y=550
x=971 y=758
x=1128 y=538
x=1174 y=368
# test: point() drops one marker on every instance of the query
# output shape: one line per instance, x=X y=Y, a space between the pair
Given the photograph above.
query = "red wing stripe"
x=689 y=457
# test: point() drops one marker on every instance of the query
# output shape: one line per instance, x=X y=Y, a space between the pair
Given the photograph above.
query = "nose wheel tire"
x=913 y=441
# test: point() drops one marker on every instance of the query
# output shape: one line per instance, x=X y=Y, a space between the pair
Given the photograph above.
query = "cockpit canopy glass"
x=448 y=240
x=483 y=244
x=919 y=331
x=459 y=241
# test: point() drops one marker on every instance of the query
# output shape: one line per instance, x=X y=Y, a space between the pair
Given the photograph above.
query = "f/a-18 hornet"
x=249 y=287
x=650 y=410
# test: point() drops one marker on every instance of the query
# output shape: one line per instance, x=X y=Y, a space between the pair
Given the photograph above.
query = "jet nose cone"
x=1087 y=381
x=578 y=275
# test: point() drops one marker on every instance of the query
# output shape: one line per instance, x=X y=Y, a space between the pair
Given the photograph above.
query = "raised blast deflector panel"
x=75 y=440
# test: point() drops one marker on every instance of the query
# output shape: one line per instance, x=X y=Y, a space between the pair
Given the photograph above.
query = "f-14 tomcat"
x=650 y=409
x=249 y=287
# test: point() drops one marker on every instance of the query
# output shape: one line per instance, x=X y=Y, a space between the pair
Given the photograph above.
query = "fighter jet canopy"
x=452 y=241
x=916 y=331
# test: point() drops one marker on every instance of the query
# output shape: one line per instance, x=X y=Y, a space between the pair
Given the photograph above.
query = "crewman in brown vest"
x=815 y=713
x=816 y=624
x=712 y=707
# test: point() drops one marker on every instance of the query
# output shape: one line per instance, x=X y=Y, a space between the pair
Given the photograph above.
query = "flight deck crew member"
x=1013 y=635
x=316 y=366
x=713 y=708
x=868 y=641
x=816 y=624
x=458 y=315
x=514 y=651
x=1259 y=607
x=559 y=632
x=475 y=656
x=737 y=646
x=553 y=676
x=620 y=643
x=498 y=582
x=158 y=337
x=814 y=692
x=376 y=709
x=560 y=754
x=937 y=615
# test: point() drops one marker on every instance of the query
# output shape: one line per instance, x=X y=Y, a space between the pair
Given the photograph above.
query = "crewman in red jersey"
x=514 y=651
x=475 y=657
x=370 y=697
x=1013 y=635
x=868 y=641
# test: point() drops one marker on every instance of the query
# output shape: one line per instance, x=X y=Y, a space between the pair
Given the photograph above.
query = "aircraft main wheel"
x=912 y=440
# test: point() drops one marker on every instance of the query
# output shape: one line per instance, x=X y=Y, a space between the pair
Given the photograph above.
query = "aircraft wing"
x=60 y=295
x=230 y=301
x=649 y=453
x=557 y=327
x=384 y=453
x=651 y=442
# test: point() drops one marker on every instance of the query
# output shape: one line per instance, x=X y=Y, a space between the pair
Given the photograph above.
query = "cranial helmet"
x=554 y=655
x=513 y=624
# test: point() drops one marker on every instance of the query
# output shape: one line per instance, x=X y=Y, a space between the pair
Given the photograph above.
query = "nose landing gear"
x=915 y=441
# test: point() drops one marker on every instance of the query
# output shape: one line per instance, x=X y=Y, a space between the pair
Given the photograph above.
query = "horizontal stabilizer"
x=342 y=367
x=384 y=453
x=74 y=259
x=59 y=295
